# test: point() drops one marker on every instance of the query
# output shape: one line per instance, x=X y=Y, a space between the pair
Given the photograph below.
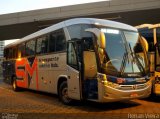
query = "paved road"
x=30 y=104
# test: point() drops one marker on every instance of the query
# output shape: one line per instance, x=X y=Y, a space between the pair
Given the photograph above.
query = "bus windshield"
x=124 y=54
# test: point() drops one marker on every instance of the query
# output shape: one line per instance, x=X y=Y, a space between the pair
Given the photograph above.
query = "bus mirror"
x=102 y=40
x=145 y=43
x=100 y=36
x=101 y=51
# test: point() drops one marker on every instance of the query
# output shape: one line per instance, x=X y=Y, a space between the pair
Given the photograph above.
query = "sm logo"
x=25 y=69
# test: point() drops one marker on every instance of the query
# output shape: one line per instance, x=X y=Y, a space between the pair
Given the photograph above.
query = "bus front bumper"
x=110 y=94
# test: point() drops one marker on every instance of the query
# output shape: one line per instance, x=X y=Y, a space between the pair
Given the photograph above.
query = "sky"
x=11 y=6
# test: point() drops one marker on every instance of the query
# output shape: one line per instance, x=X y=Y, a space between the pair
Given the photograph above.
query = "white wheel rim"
x=65 y=95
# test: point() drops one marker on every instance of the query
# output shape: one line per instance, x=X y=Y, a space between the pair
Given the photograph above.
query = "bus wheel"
x=14 y=85
x=153 y=89
x=63 y=93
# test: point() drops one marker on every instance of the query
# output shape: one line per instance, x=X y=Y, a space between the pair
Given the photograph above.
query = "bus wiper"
x=134 y=57
x=123 y=65
x=132 y=53
x=124 y=60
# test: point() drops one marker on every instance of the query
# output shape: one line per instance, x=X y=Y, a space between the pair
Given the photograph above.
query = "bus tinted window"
x=14 y=52
x=72 y=58
x=30 y=47
x=148 y=35
x=77 y=32
x=57 y=41
x=42 y=45
x=158 y=35
x=21 y=50
x=52 y=42
x=60 y=42
x=10 y=53
x=4 y=54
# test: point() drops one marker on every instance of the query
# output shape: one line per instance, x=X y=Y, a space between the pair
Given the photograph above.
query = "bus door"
x=90 y=84
x=74 y=71
x=157 y=63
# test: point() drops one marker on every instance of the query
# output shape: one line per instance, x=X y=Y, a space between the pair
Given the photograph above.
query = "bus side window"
x=157 y=51
x=60 y=42
x=87 y=37
x=30 y=47
x=75 y=32
x=14 y=53
x=52 y=43
x=158 y=38
x=148 y=35
x=158 y=34
x=71 y=56
x=42 y=45
x=57 y=41
x=11 y=53
x=6 y=54
x=21 y=50
x=88 y=43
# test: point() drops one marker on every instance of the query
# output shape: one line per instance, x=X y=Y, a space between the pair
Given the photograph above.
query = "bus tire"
x=153 y=89
x=63 y=93
x=14 y=84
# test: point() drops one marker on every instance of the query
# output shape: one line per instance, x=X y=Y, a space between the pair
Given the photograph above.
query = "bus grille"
x=131 y=87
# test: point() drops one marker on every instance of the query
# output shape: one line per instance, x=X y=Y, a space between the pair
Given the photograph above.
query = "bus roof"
x=66 y=23
x=143 y=26
x=149 y=26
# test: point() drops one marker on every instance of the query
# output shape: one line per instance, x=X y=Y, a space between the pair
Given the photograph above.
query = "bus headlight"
x=101 y=77
x=113 y=85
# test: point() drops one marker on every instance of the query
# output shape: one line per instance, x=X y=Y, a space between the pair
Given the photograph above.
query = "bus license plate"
x=134 y=95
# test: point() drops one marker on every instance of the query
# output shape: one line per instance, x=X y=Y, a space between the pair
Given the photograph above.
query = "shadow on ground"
x=153 y=98
x=87 y=106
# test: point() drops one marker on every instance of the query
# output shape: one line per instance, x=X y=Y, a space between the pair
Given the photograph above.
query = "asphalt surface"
x=27 y=104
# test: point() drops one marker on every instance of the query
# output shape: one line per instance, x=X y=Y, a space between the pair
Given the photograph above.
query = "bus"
x=81 y=59
x=151 y=32
x=1 y=72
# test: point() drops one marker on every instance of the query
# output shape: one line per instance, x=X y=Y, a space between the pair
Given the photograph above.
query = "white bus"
x=81 y=59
